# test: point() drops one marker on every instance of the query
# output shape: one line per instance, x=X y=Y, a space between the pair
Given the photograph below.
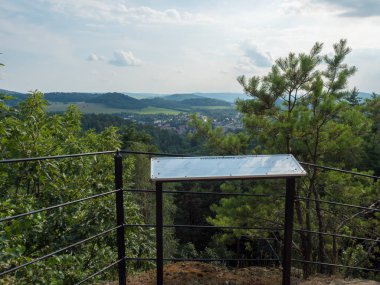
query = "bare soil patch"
x=197 y=273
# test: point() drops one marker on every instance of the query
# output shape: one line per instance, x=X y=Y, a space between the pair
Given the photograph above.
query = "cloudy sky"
x=170 y=46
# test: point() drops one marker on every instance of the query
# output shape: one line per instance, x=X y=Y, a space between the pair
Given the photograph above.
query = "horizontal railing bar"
x=339 y=170
x=140 y=190
x=140 y=259
x=250 y=259
x=58 y=251
x=205 y=227
x=250 y=228
x=205 y=193
x=56 y=156
x=220 y=259
x=100 y=271
x=179 y=192
x=224 y=194
x=58 y=206
x=337 y=235
x=338 y=204
x=224 y=227
x=256 y=238
x=154 y=153
x=335 y=265
x=200 y=259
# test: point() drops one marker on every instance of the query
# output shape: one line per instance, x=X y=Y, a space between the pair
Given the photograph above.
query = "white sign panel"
x=225 y=167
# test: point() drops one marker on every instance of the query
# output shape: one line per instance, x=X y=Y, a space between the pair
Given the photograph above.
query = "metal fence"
x=119 y=227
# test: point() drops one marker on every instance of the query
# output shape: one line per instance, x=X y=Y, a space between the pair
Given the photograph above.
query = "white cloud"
x=367 y=61
x=94 y=57
x=124 y=58
x=117 y=11
x=355 y=8
x=255 y=55
x=245 y=65
x=345 y=8
x=309 y=7
x=190 y=41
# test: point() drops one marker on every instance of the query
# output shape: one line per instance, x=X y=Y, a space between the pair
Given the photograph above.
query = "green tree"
x=31 y=132
x=353 y=97
x=141 y=141
x=371 y=108
x=299 y=107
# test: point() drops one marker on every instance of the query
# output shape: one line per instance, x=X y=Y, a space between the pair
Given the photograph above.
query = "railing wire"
x=18 y=160
x=57 y=251
x=58 y=206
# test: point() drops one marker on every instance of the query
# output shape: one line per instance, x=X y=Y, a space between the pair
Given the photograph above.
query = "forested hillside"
x=120 y=101
x=117 y=100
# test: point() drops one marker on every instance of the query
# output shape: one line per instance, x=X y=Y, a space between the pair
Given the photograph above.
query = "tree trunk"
x=321 y=241
x=335 y=256
x=305 y=239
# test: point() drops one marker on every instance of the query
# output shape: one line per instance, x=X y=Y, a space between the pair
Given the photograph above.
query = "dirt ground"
x=197 y=273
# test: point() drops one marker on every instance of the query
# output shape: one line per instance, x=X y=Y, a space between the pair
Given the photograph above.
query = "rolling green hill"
x=181 y=97
x=205 y=102
x=111 y=103
x=118 y=100
x=69 y=97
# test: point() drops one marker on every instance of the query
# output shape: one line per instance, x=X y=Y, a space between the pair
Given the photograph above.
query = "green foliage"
x=216 y=141
x=188 y=250
x=302 y=107
x=371 y=107
x=352 y=97
x=69 y=97
x=31 y=132
x=118 y=100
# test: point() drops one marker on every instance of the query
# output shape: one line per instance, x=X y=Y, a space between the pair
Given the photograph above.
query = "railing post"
x=288 y=231
x=120 y=218
x=159 y=234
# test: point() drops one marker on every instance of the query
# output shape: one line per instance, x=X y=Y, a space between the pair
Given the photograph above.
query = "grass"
x=100 y=108
x=213 y=107
x=155 y=110
x=84 y=108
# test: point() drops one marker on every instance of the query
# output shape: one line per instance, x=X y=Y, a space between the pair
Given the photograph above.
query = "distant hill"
x=184 y=105
x=7 y=92
x=204 y=102
x=112 y=102
x=364 y=95
x=118 y=100
x=160 y=102
x=69 y=97
x=181 y=97
x=143 y=95
x=16 y=97
x=225 y=96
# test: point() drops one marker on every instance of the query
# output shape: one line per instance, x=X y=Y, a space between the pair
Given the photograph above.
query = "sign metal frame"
x=280 y=166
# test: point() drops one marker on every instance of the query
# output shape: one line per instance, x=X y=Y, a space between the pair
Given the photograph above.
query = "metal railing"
x=120 y=226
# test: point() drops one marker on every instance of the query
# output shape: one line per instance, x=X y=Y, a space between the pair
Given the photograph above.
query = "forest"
x=319 y=120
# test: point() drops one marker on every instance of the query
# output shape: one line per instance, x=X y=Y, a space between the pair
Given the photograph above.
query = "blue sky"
x=177 y=46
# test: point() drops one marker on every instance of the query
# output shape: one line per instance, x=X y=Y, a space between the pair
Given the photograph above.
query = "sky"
x=175 y=46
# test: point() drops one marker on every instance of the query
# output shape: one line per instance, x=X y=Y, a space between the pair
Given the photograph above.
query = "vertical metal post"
x=288 y=233
x=118 y=159
x=159 y=234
